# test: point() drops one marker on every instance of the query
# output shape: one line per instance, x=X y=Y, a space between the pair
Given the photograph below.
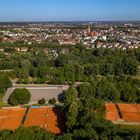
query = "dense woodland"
x=106 y=75
x=75 y=64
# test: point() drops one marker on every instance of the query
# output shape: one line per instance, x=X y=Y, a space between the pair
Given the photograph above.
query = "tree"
x=130 y=66
x=42 y=101
x=33 y=72
x=58 y=63
x=25 y=64
x=71 y=115
x=42 y=71
x=58 y=78
x=70 y=107
x=89 y=70
x=70 y=95
x=9 y=50
x=95 y=69
x=30 y=133
x=66 y=136
x=52 y=101
x=22 y=73
x=118 y=66
x=79 y=71
x=69 y=73
x=1 y=39
x=88 y=133
x=19 y=81
x=128 y=93
x=39 y=61
x=19 y=96
x=5 y=83
x=83 y=90
x=107 y=91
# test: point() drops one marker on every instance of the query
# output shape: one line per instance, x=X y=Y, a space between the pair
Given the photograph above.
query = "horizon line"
x=73 y=21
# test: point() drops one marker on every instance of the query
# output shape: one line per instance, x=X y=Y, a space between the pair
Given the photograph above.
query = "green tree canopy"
x=19 y=96
x=5 y=83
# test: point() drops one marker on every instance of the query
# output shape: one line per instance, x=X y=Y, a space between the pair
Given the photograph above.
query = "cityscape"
x=70 y=70
x=92 y=35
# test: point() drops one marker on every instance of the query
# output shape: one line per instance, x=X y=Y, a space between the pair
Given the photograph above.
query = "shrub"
x=42 y=101
x=52 y=101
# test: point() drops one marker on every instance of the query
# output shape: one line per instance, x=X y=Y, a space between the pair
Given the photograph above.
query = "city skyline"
x=70 y=10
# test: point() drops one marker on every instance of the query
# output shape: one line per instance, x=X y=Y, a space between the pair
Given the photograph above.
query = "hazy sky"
x=69 y=10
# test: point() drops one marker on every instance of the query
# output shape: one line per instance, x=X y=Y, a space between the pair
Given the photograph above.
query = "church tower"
x=89 y=29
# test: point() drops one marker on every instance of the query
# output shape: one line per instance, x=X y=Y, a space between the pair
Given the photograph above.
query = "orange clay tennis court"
x=123 y=112
x=128 y=108
x=112 y=113
x=11 y=118
x=131 y=117
x=138 y=107
x=50 y=119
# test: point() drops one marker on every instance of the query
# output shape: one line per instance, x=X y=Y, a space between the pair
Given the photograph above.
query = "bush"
x=19 y=96
x=42 y=101
x=52 y=101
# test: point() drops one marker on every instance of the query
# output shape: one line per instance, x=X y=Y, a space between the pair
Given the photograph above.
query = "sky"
x=69 y=10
